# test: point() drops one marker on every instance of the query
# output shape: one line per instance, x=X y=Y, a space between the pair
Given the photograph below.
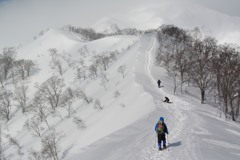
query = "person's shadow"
x=175 y=144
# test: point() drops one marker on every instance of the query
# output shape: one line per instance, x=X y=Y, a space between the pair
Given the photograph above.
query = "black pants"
x=161 y=138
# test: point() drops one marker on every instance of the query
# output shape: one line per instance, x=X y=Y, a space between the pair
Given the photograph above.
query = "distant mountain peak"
x=106 y=25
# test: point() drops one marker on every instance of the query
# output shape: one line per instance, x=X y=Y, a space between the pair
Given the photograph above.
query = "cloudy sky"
x=21 y=20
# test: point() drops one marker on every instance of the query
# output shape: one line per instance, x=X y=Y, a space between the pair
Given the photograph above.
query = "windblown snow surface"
x=196 y=132
x=124 y=129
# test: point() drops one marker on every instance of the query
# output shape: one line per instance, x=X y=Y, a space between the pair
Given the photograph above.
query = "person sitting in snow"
x=166 y=100
x=161 y=129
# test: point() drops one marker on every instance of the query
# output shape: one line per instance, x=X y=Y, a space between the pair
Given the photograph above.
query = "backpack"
x=160 y=128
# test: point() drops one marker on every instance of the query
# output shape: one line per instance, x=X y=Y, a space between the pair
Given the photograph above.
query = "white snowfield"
x=124 y=129
x=195 y=131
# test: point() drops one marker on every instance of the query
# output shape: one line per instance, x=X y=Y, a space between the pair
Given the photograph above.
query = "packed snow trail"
x=176 y=117
x=185 y=122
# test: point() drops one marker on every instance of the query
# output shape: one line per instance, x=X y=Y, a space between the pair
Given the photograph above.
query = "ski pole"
x=168 y=142
x=168 y=139
x=155 y=144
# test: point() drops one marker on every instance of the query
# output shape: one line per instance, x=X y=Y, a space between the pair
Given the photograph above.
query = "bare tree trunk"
x=225 y=107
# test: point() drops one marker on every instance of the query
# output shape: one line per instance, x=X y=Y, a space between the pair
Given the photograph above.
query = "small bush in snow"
x=97 y=104
x=116 y=94
x=104 y=83
x=122 y=105
x=83 y=51
x=121 y=69
x=79 y=122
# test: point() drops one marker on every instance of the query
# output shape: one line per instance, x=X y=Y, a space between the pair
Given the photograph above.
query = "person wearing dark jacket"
x=159 y=83
x=161 y=129
x=166 y=100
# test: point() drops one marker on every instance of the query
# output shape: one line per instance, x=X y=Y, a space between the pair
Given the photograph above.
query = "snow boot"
x=164 y=147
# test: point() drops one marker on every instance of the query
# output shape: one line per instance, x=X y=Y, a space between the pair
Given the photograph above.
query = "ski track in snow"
x=178 y=112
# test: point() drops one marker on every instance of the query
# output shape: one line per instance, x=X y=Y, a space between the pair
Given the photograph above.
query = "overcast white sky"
x=20 y=20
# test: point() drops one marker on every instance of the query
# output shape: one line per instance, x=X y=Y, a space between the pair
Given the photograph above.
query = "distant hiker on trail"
x=159 y=83
x=161 y=129
x=166 y=100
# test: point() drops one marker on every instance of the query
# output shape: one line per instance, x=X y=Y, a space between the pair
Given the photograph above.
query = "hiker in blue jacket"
x=161 y=129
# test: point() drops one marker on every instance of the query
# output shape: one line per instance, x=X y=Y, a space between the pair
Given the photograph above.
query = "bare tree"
x=167 y=58
x=7 y=58
x=15 y=142
x=21 y=95
x=104 y=79
x=183 y=59
x=82 y=95
x=174 y=74
x=53 y=52
x=14 y=72
x=3 y=81
x=81 y=73
x=226 y=69
x=33 y=126
x=121 y=69
x=50 y=146
x=39 y=108
x=35 y=155
x=201 y=72
x=29 y=64
x=52 y=90
x=93 y=71
x=102 y=60
x=67 y=100
x=113 y=55
x=56 y=62
x=20 y=64
x=5 y=104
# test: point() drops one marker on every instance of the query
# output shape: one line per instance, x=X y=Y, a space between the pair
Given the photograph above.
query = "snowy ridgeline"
x=63 y=92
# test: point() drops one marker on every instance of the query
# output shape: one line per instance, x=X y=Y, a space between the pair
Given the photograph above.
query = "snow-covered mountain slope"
x=124 y=128
x=195 y=131
x=118 y=112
